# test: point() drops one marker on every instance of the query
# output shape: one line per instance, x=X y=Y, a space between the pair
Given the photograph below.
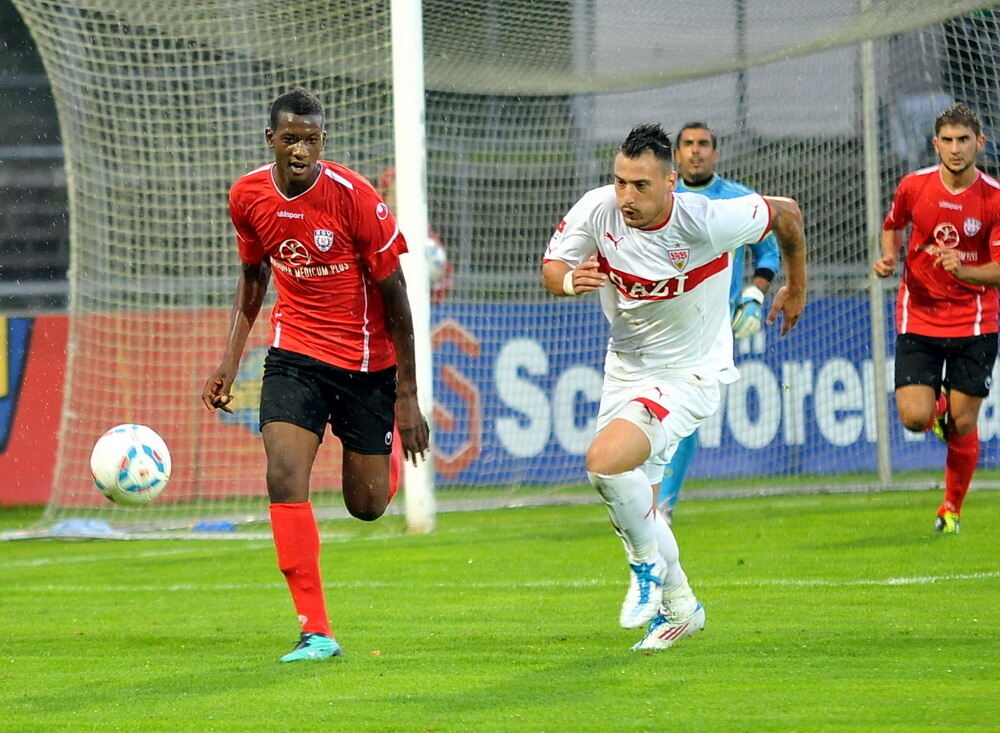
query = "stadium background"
x=513 y=402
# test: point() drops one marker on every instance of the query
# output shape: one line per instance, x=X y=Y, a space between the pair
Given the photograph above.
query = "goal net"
x=162 y=105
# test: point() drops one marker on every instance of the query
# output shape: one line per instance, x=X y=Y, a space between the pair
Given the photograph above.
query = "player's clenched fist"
x=587 y=277
x=216 y=392
x=884 y=266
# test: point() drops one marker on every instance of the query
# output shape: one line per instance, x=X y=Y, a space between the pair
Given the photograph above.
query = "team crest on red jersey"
x=323 y=239
x=972 y=226
x=679 y=258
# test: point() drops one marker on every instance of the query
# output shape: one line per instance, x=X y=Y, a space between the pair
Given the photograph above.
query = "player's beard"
x=698 y=181
x=957 y=171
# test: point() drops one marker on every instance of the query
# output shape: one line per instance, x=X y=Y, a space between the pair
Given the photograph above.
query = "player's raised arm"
x=250 y=290
x=786 y=223
x=410 y=421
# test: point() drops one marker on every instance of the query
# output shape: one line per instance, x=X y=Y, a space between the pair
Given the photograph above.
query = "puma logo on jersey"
x=614 y=241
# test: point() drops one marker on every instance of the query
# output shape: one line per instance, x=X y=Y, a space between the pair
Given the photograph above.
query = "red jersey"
x=931 y=301
x=328 y=247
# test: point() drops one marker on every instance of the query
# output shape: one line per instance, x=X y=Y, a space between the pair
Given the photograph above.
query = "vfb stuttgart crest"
x=679 y=258
x=323 y=239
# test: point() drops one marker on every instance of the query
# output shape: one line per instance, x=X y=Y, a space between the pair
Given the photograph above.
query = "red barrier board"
x=32 y=367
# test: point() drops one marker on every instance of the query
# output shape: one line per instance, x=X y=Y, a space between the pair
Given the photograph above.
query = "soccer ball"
x=131 y=464
x=437 y=260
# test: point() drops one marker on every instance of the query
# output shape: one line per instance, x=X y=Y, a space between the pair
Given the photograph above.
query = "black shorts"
x=359 y=406
x=966 y=364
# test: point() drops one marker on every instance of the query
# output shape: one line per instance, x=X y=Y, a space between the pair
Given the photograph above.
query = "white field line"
x=61 y=559
x=587 y=583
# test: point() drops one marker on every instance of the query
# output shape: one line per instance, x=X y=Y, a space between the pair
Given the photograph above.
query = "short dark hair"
x=697 y=125
x=648 y=136
x=298 y=102
x=958 y=114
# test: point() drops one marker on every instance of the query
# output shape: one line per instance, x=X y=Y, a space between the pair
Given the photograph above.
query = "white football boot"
x=680 y=616
x=645 y=592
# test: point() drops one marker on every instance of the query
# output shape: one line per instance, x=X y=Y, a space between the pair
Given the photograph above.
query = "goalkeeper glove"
x=748 y=313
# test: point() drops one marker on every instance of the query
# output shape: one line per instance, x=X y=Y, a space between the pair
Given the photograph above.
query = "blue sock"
x=676 y=470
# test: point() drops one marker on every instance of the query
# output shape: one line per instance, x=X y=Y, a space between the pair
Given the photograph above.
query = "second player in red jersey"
x=932 y=302
x=946 y=310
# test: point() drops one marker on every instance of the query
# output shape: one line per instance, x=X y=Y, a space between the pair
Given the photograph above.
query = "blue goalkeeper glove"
x=749 y=312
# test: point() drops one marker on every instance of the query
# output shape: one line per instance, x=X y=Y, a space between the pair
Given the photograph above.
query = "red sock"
x=296 y=540
x=940 y=408
x=395 y=463
x=963 y=455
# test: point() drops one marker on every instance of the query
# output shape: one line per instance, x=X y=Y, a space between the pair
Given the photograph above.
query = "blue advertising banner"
x=517 y=388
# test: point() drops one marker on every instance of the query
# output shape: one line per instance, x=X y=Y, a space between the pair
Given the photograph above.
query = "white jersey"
x=667 y=295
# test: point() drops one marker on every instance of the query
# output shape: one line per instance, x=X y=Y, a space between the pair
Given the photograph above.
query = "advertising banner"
x=516 y=392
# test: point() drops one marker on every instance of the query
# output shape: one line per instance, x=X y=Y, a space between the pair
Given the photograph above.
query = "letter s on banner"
x=528 y=439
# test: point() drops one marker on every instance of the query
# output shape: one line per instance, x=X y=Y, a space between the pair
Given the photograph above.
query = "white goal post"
x=411 y=182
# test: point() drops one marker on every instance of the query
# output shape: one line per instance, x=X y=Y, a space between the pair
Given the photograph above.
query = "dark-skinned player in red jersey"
x=341 y=349
x=946 y=309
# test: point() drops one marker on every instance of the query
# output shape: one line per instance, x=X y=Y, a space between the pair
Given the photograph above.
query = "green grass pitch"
x=826 y=612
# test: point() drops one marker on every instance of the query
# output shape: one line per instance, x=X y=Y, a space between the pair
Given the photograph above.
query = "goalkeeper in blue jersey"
x=696 y=153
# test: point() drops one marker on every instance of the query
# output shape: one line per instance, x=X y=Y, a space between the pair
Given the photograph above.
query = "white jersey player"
x=662 y=263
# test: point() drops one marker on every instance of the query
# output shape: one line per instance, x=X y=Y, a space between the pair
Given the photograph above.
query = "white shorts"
x=666 y=404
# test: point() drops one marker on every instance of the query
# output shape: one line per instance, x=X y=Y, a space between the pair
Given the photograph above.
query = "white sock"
x=667 y=543
x=629 y=498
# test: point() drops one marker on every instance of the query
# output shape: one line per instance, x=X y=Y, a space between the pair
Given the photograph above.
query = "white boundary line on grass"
x=39 y=562
x=764 y=582
x=914 y=580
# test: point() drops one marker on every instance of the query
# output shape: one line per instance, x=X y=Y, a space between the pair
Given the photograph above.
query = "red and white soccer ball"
x=131 y=464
